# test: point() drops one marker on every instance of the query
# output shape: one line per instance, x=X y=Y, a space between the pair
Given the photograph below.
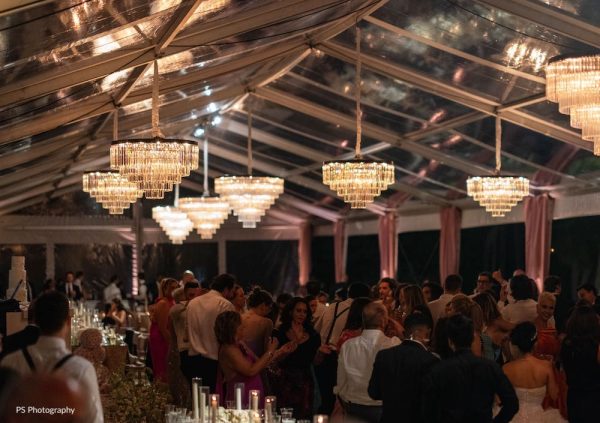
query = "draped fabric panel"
x=388 y=245
x=304 y=262
x=450 y=220
x=340 y=250
x=538 y=234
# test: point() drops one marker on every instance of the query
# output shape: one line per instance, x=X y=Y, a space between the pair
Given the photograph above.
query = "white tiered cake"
x=16 y=274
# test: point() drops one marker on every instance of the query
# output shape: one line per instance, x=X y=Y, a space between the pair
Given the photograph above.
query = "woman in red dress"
x=159 y=329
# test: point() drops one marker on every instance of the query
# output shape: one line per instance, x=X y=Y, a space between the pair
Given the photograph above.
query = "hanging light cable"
x=206 y=213
x=249 y=196
x=498 y=194
x=358 y=181
x=158 y=163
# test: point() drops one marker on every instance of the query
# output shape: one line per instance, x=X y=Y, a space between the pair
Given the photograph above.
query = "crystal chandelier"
x=358 y=181
x=157 y=163
x=110 y=189
x=173 y=221
x=249 y=196
x=206 y=213
x=498 y=194
x=574 y=83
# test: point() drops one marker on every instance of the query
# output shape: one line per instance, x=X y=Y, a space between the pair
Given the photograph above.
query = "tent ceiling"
x=435 y=74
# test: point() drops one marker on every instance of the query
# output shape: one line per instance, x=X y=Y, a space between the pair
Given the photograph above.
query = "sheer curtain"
x=388 y=245
x=538 y=234
x=450 y=218
x=304 y=262
x=340 y=250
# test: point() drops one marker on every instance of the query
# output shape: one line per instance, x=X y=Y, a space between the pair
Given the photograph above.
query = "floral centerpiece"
x=130 y=402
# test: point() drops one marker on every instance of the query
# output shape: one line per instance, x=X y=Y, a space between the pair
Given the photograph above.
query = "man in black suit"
x=398 y=372
x=70 y=288
x=461 y=389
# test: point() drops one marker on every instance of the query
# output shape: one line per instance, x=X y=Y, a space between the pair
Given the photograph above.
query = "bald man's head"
x=375 y=316
x=33 y=400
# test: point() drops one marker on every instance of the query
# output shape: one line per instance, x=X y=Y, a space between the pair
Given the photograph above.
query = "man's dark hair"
x=51 y=312
x=258 y=297
x=190 y=285
x=415 y=320
x=520 y=287
x=357 y=290
x=588 y=287
x=460 y=331
x=551 y=283
x=453 y=283
x=69 y=273
x=487 y=275
x=222 y=282
x=313 y=288
x=284 y=298
x=390 y=281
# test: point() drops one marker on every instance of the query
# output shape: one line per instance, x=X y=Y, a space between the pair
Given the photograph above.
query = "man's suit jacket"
x=396 y=380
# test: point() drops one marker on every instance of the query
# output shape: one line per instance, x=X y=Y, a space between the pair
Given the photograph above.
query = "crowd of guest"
x=389 y=352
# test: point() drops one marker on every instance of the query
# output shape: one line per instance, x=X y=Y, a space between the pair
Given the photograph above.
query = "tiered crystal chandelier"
x=154 y=164
x=206 y=213
x=173 y=221
x=498 y=194
x=109 y=188
x=358 y=181
x=574 y=83
x=249 y=196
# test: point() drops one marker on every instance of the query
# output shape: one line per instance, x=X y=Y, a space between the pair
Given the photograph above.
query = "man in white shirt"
x=330 y=326
x=452 y=286
x=524 y=309
x=112 y=291
x=178 y=318
x=355 y=365
x=202 y=313
x=50 y=354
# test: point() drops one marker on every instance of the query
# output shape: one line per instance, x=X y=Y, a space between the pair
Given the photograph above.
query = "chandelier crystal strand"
x=574 y=83
x=498 y=194
x=249 y=196
x=156 y=164
x=206 y=213
x=358 y=181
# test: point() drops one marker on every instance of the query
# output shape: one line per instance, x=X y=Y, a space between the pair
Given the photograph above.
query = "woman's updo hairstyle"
x=259 y=296
x=524 y=336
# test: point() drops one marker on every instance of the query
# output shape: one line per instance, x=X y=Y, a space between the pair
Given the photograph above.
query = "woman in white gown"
x=531 y=377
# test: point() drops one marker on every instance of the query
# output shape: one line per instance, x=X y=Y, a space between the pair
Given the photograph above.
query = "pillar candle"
x=239 y=389
x=254 y=395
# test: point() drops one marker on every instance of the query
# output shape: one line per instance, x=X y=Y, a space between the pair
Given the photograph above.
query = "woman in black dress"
x=292 y=380
x=580 y=355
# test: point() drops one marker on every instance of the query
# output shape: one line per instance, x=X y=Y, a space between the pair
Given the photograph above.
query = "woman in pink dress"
x=237 y=362
x=159 y=329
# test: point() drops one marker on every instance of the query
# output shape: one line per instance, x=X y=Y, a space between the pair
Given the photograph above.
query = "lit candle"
x=239 y=388
x=196 y=382
x=214 y=407
x=254 y=395
x=270 y=408
x=320 y=418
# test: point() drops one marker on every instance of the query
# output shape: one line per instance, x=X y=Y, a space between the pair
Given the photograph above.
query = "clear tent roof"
x=435 y=73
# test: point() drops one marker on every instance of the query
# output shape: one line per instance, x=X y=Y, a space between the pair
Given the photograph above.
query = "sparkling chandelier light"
x=249 y=196
x=154 y=164
x=112 y=190
x=574 y=83
x=173 y=221
x=206 y=213
x=498 y=194
x=358 y=181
